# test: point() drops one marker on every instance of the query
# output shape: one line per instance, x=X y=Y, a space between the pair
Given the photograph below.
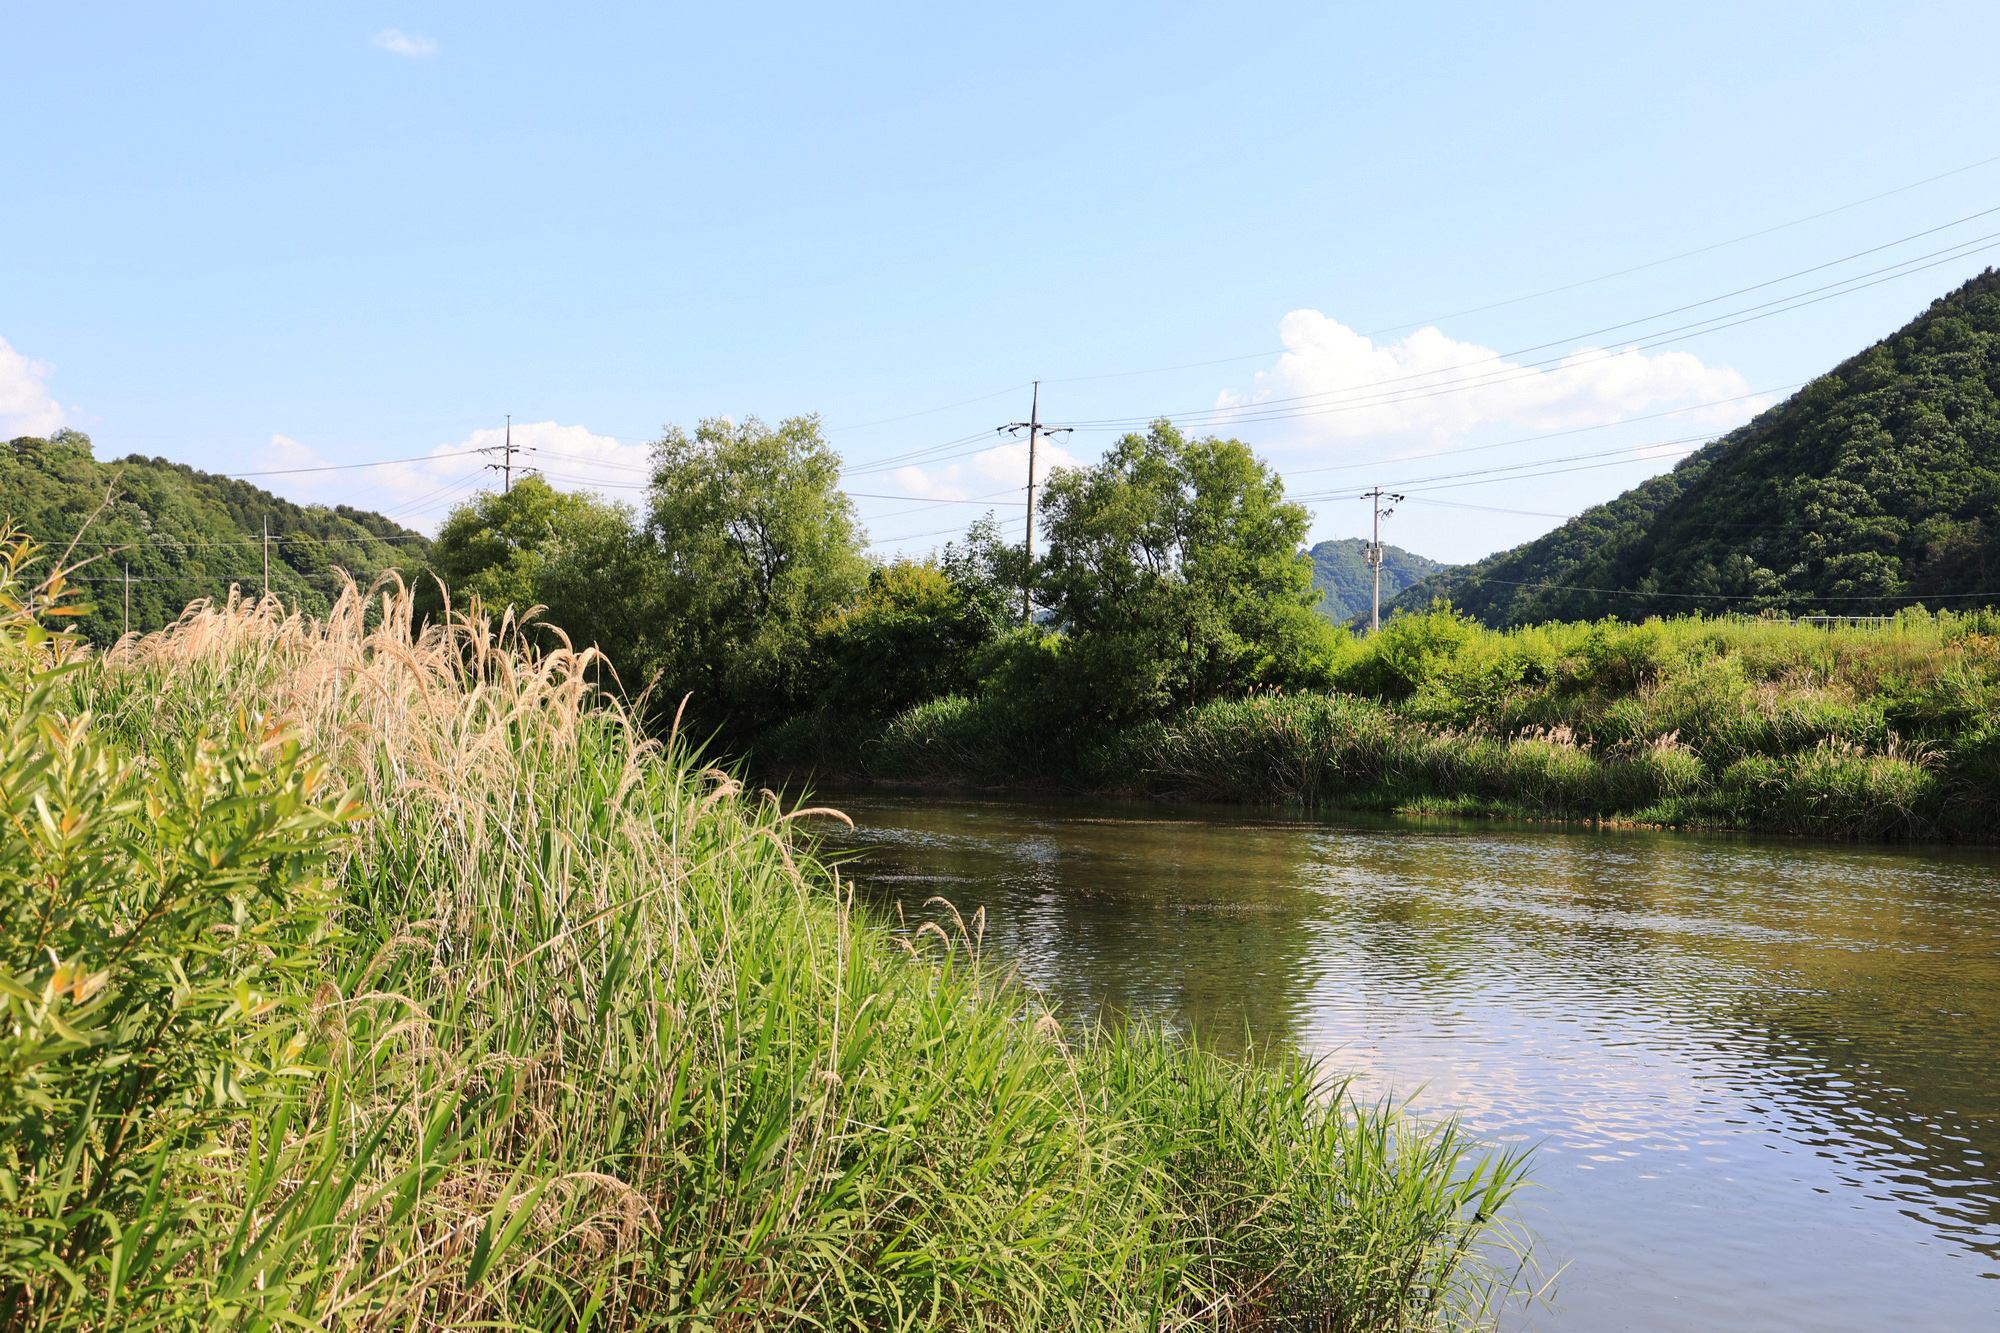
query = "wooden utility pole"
x=1378 y=495
x=128 y=597
x=1033 y=425
x=267 y=555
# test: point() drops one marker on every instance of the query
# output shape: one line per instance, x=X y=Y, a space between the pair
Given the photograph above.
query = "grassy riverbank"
x=364 y=978
x=1878 y=730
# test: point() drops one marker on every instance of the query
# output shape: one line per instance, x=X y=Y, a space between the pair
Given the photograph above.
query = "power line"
x=1375 y=395
x=1547 y=435
x=1494 y=509
x=1495 y=305
x=1358 y=397
x=1557 y=472
x=941 y=532
x=1689 y=254
x=929 y=411
x=1506 y=373
x=1271 y=410
x=1620 y=451
x=348 y=467
x=1786 y=595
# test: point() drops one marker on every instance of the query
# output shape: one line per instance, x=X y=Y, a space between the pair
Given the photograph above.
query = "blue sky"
x=263 y=237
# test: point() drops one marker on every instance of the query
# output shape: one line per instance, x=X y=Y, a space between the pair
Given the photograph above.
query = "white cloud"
x=412 y=44
x=1428 y=389
x=25 y=405
x=420 y=493
x=1003 y=468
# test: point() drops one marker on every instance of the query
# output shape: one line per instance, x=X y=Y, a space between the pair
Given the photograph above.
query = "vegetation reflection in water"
x=1646 y=1006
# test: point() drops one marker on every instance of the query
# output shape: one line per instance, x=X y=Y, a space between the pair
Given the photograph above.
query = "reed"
x=504 y=1015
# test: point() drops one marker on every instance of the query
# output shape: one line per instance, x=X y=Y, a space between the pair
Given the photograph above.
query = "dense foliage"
x=757 y=545
x=184 y=534
x=1876 y=485
x=1879 y=731
x=741 y=596
x=921 y=629
x=1173 y=575
x=546 y=1027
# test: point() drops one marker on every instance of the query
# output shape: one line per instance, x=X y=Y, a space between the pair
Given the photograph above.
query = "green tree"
x=988 y=574
x=1174 y=571
x=599 y=580
x=758 y=546
x=493 y=546
x=915 y=635
x=587 y=562
x=184 y=534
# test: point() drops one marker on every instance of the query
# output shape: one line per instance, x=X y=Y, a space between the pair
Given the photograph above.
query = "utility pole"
x=1378 y=495
x=505 y=467
x=1033 y=425
x=267 y=555
x=128 y=597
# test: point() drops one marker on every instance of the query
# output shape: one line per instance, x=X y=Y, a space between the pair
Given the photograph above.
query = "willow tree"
x=1174 y=574
x=757 y=545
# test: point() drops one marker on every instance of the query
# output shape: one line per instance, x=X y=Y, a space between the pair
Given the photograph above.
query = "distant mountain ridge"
x=1345 y=583
x=1875 y=486
x=185 y=534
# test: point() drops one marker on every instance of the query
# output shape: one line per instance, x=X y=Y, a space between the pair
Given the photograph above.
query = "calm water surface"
x=1764 y=1076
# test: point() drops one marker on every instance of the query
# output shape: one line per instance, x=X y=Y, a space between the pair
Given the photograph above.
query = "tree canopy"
x=1174 y=572
x=494 y=546
x=185 y=534
x=757 y=545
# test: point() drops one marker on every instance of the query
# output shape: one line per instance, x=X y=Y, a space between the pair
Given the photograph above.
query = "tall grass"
x=507 y=1017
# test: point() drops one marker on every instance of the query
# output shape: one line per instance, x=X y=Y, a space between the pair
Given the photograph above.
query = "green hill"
x=184 y=534
x=1344 y=581
x=1875 y=486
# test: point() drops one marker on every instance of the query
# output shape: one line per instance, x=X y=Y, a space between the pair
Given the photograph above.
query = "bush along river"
x=1761 y=1076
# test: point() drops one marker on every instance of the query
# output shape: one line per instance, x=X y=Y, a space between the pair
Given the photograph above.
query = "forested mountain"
x=184 y=534
x=1342 y=576
x=1875 y=486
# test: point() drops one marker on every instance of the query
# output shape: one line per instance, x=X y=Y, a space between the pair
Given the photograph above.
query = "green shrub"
x=915 y=634
x=160 y=923
x=1408 y=651
x=1843 y=730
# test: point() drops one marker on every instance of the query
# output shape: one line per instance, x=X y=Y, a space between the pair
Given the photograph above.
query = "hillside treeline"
x=1876 y=485
x=180 y=534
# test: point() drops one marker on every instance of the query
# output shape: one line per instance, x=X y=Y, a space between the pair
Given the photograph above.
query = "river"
x=1761 y=1077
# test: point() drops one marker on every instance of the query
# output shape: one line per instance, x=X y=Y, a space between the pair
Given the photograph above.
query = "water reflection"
x=1765 y=1076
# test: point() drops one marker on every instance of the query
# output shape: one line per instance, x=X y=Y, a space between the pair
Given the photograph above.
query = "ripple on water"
x=1762 y=1077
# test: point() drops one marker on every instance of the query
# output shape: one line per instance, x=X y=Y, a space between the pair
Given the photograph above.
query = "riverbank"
x=444 y=997
x=1882 y=730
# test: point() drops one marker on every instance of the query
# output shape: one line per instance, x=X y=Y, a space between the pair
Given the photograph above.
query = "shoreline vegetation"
x=1886 y=729
x=368 y=973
